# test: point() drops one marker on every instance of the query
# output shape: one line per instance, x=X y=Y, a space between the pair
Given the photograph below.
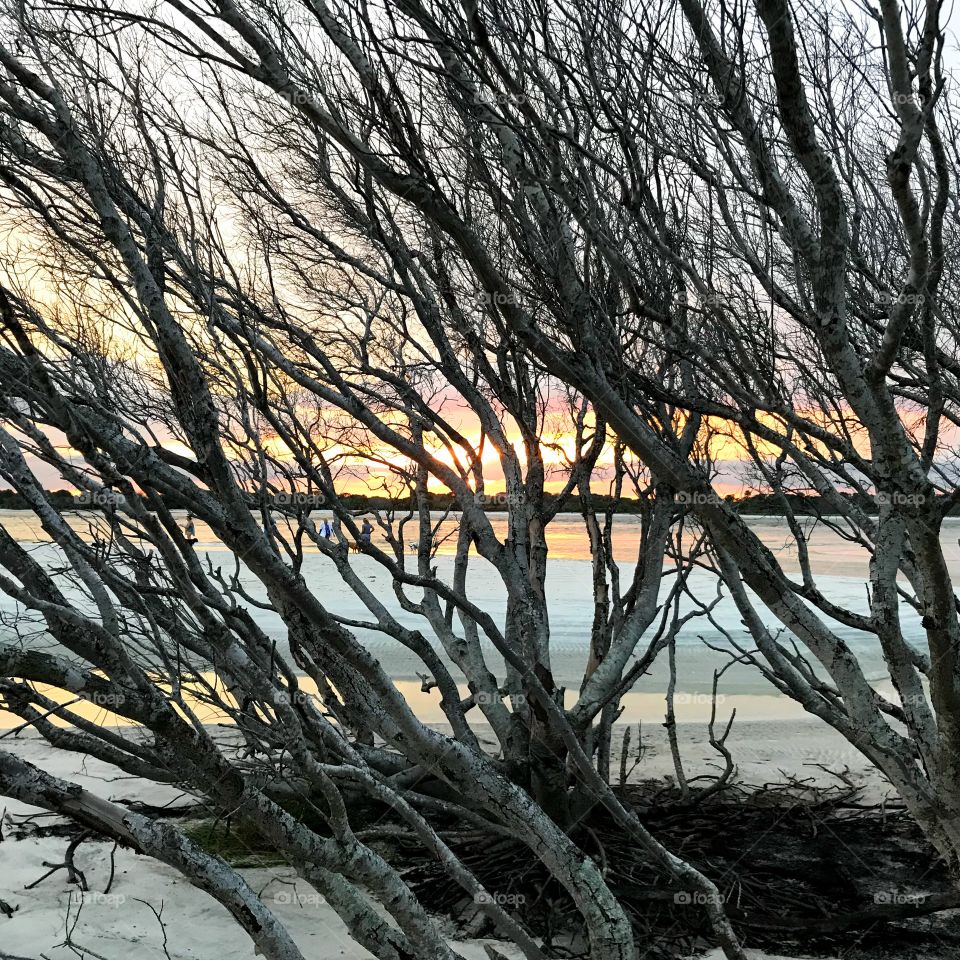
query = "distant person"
x=190 y=530
x=326 y=529
x=366 y=531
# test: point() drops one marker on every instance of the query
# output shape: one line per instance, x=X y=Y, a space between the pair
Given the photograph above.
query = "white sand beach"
x=121 y=923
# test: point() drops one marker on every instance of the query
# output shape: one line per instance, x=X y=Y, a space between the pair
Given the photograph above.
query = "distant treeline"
x=757 y=505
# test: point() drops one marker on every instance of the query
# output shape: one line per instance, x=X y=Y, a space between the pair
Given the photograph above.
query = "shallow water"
x=840 y=569
x=567 y=539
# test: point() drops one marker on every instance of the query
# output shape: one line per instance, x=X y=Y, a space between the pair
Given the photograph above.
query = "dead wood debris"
x=795 y=863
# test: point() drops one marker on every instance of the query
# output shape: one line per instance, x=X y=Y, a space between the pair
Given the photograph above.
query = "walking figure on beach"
x=326 y=529
x=190 y=530
x=366 y=531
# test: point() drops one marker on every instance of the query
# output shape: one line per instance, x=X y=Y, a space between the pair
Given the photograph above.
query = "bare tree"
x=339 y=222
x=289 y=325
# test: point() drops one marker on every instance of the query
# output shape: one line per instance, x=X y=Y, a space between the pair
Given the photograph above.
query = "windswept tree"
x=319 y=228
x=206 y=308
